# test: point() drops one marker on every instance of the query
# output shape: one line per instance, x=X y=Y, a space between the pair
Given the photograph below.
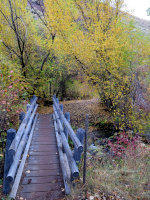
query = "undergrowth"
x=117 y=177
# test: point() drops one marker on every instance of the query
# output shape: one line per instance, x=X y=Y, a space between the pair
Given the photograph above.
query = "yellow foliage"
x=95 y=34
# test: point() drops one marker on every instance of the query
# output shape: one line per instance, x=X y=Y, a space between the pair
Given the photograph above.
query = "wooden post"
x=57 y=101
x=77 y=154
x=8 y=160
x=28 y=107
x=32 y=99
x=67 y=116
x=85 y=149
x=21 y=117
x=54 y=96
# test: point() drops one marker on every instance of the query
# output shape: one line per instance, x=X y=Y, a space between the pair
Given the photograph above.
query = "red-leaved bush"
x=12 y=90
x=123 y=142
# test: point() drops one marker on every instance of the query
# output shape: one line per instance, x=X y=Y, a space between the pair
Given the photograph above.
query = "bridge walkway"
x=42 y=177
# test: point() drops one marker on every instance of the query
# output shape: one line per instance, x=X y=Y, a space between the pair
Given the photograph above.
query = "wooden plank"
x=41 y=187
x=42 y=133
x=47 y=135
x=51 y=195
x=42 y=175
x=41 y=180
x=43 y=147
x=42 y=167
x=43 y=142
x=54 y=172
x=43 y=153
x=43 y=139
x=39 y=128
x=46 y=157
x=41 y=162
x=32 y=195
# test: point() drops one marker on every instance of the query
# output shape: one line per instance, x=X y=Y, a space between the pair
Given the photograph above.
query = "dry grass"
x=128 y=178
x=116 y=179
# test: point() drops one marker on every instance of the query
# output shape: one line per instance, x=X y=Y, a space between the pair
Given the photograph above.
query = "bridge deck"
x=42 y=177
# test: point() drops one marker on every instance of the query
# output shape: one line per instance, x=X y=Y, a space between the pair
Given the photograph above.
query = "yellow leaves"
x=72 y=28
x=91 y=35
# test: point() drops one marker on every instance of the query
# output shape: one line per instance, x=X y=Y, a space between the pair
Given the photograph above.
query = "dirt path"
x=78 y=110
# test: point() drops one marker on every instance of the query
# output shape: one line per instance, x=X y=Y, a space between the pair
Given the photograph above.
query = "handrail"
x=21 y=166
x=22 y=127
x=13 y=168
x=66 y=177
x=68 y=159
x=72 y=163
x=16 y=151
x=72 y=134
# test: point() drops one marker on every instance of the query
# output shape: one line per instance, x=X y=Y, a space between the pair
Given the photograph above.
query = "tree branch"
x=10 y=49
x=7 y=20
x=44 y=61
x=45 y=23
x=82 y=12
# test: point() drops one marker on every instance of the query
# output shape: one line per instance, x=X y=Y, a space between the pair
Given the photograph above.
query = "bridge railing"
x=17 y=147
x=69 y=159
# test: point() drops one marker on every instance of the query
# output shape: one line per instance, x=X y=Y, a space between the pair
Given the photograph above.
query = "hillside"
x=142 y=24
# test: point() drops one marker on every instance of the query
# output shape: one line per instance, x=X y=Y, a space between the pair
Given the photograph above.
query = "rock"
x=96 y=150
x=101 y=142
x=93 y=149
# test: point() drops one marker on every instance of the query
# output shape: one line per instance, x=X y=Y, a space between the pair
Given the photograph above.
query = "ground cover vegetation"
x=78 y=50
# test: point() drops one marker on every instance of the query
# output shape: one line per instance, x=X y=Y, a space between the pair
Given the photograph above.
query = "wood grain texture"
x=42 y=177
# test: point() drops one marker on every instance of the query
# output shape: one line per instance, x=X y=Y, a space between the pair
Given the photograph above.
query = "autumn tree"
x=97 y=37
x=23 y=41
x=14 y=34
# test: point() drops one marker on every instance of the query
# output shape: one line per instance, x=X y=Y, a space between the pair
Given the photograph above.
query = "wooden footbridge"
x=39 y=163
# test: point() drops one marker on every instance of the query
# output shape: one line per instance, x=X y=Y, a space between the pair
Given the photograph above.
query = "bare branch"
x=44 y=61
x=6 y=19
x=82 y=12
x=10 y=49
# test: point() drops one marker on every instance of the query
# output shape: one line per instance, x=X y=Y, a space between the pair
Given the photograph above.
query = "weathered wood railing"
x=69 y=159
x=17 y=147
